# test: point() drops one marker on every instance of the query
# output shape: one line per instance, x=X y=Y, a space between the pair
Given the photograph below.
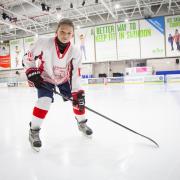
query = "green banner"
x=173 y=22
x=105 y=33
x=130 y=30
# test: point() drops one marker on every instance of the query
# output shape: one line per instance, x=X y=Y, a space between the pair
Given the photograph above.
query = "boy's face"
x=65 y=33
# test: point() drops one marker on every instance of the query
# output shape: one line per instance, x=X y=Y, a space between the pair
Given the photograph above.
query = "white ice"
x=113 y=153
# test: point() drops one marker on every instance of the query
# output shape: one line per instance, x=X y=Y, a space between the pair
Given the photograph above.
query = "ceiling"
x=21 y=18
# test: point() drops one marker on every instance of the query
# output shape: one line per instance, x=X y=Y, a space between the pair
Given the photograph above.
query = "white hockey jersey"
x=56 y=68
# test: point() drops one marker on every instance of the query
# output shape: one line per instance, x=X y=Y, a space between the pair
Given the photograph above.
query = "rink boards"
x=148 y=79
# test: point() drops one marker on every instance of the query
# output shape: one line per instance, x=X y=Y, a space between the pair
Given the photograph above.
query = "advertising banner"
x=105 y=43
x=128 y=40
x=152 y=37
x=5 y=62
x=172 y=36
x=84 y=39
x=17 y=53
x=29 y=42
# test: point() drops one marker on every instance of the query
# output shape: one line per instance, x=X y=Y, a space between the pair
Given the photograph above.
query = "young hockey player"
x=55 y=62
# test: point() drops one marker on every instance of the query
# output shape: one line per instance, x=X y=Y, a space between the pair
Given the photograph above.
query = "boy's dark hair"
x=65 y=21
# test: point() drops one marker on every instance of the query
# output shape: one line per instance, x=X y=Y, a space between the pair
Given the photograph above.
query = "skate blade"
x=87 y=136
x=36 y=149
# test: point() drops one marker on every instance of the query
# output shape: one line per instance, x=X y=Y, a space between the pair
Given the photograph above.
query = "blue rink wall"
x=167 y=72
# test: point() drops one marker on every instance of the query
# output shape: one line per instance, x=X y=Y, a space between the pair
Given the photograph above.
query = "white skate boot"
x=34 y=139
x=84 y=128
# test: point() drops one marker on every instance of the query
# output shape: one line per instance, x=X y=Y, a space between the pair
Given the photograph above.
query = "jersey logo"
x=61 y=74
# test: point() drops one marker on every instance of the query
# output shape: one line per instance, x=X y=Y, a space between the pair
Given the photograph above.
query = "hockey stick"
x=70 y=99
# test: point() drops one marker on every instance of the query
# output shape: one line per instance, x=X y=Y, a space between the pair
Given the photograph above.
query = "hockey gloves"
x=33 y=75
x=79 y=100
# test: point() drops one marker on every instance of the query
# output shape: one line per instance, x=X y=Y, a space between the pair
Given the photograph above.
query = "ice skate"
x=34 y=139
x=84 y=128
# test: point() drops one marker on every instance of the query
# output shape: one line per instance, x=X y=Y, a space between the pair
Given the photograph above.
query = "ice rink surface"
x=112 y=153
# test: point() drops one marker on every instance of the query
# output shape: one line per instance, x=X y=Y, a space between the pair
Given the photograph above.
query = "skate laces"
x=83 y=121
x=83 y=125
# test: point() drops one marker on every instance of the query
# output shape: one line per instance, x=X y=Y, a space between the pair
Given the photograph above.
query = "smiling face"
x=65 y=33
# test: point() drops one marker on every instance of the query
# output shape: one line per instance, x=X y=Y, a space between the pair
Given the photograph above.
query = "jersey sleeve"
x=29 y=59
x=76 y=76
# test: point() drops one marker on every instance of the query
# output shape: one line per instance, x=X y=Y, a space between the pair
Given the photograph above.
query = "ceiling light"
x=43 y=7
x=47 y=8
x=4 y=16
x=11 y=26
x=83 y=3
x=117 y=6
x=59 y=15
x=126 y=20
x=58 y=8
